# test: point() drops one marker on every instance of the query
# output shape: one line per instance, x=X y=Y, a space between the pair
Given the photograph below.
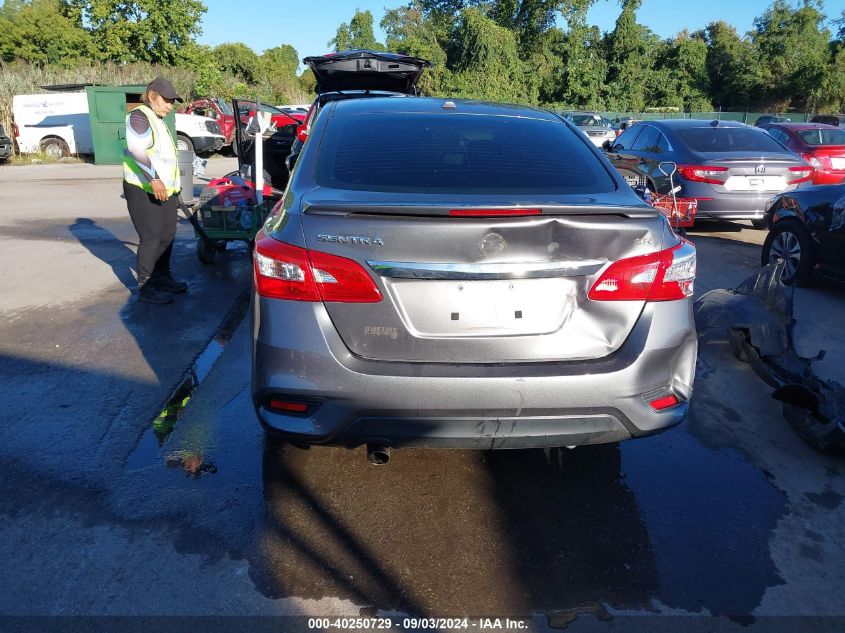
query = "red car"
x=279 y=118
x=216 y=109
x=823 y=146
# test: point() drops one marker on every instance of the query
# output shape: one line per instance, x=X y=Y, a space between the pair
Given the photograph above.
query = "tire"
x=761 y=225
x=789 y=241
x=206 y=251
x=234 y=148
x=184 y=143
x=55 y=148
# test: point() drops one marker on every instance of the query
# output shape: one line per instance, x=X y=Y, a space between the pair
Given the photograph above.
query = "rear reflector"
x=664 y=403
x=290 y=407
x=284 y=271
x=492 y=213
x=663 y=276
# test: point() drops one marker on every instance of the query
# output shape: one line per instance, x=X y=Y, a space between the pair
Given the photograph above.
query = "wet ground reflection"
x=453 y=532
x=559 y=532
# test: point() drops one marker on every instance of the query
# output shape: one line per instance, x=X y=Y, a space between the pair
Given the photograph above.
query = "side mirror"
x=290 y=161
x=607 y=146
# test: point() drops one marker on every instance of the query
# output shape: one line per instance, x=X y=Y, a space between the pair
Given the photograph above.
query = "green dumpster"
x=107 y=108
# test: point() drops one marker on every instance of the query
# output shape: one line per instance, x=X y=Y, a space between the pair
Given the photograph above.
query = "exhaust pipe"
x=377 y=454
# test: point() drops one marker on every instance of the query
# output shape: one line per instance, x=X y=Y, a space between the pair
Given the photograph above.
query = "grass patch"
x=40 y=158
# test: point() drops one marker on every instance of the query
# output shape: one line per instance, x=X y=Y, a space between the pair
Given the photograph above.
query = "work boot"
x=149 y=294
x=166 y=283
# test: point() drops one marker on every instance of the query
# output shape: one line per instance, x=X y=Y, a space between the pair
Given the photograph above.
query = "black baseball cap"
x=163 y=87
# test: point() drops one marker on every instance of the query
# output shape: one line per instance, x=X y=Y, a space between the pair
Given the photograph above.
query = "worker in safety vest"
x=151 y=187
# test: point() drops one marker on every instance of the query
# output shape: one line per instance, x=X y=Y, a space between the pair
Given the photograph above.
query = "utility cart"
x=228 y=211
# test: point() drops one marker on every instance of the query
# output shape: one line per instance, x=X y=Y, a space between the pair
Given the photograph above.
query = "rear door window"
x=455 y=153
x=648 y=140
x=777 y=134
x=627 y=139
x=728 y=139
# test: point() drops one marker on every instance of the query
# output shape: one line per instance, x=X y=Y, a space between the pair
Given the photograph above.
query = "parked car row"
x=59 y=124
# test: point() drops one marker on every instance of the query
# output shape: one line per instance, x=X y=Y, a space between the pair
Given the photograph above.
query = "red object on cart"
x=679 y=211
x=234 y=193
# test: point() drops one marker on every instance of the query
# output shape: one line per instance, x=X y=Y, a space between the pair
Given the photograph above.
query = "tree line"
x=528 y=51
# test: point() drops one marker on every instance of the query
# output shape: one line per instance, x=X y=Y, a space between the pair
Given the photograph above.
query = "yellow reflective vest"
x=162 y=154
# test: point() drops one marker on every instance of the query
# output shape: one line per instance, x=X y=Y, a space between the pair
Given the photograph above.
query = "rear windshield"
x=454 y=153
x=822 y=137
x=728 y=139
x=584 y=120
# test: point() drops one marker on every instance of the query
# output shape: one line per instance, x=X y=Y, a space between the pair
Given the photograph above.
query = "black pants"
x=155 y=223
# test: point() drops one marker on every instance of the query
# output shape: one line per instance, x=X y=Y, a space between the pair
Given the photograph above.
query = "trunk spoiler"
x=344 y=208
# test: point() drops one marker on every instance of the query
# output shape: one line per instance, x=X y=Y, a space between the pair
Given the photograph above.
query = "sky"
x=308 y=25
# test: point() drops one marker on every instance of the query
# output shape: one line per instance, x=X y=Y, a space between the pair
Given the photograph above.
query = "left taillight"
x=285 y=271
x=803 y=173
x=711 y=174
x=667 y=275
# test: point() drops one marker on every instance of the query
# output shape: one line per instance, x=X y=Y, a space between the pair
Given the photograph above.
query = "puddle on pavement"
x=149 y=449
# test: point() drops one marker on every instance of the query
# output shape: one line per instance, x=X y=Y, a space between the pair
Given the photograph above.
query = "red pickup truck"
x=218 y=110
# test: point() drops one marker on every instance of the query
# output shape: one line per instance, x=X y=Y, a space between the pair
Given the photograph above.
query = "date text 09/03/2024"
x=416 y=624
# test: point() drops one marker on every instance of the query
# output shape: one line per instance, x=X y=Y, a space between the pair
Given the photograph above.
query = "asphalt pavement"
x=116 y=501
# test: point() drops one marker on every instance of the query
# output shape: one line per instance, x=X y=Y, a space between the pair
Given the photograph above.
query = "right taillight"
x=713 y=174
x=284 y=271
x=667 y=275
x=817 y=162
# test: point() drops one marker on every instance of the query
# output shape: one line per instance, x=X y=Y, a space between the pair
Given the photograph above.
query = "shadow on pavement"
x=453 y=533
x=109 y=248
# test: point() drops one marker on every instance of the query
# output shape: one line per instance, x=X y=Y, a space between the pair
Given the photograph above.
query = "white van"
x=58 y=124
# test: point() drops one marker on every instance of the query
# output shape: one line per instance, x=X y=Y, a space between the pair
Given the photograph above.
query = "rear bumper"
x=717 y=205
x=356 y=401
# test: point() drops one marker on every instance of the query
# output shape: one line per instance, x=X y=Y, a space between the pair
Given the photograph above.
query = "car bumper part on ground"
x=356 y=401
x=207 y=143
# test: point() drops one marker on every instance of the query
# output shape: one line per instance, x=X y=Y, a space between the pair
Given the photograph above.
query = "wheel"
x=55 y=148
x=789 y=241
x=234 y=148
x=761 y=224
x=184 y=143
x=207 y=251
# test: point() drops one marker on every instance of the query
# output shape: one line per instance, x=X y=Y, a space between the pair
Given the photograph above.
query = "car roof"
x=681 y=124
x=436 y=105
x=804 y=126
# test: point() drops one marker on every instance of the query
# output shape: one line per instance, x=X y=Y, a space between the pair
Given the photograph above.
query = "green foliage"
x=795 y=47
x=239 y=60
x=489 y=67
x=139 y=30
x=357 y=34
x=582 y=70
x=281 y=59
x=730 y=64
x=631 y=51
x=683 y=80
x=40 y=31
x=409 y=32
